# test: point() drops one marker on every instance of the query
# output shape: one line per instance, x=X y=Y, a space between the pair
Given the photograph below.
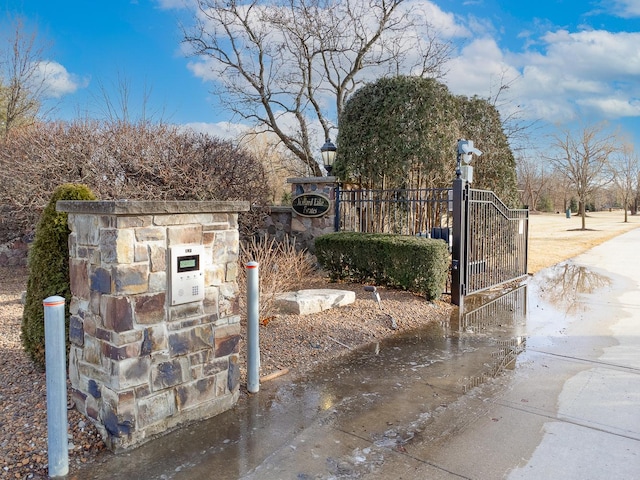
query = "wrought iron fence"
x=423 y=212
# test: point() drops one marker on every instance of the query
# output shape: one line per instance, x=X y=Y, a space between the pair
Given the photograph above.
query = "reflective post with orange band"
x=253 y=333
x=56 y=374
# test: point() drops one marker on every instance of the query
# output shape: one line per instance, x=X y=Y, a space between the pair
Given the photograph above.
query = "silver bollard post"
x=253 y=333
x=56 y=373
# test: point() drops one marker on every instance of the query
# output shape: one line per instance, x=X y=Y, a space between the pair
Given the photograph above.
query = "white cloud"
x=627 y=8
x=613 y=107
x=580 y=72
x=569 y=75
x=478 y=68
x=57 y=80
x=442 y=22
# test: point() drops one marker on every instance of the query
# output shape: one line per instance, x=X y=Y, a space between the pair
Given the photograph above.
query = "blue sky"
x=570 y=60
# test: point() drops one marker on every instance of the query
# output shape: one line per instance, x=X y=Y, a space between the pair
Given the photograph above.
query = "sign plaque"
x=311 y=205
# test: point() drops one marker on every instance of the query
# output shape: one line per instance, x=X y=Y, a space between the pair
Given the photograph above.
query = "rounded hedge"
x=49 y=269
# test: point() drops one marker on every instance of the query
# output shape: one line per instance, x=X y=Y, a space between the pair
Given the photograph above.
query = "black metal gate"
x=490 y=241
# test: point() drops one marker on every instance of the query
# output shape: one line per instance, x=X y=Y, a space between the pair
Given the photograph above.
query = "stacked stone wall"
x=284 y=222
x=139 y=366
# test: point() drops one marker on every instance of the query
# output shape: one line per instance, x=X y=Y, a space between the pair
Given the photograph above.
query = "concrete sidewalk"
x=553 y=394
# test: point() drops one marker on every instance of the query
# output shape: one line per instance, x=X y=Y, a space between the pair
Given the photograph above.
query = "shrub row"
x=119 y=160
x=419 y=265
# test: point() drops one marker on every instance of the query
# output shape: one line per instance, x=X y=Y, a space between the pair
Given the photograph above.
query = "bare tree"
x=583 y=159
x=625 y=171
x=22 y=86
x=278 y=162
x=118 y=100
x=515 y=127
x=533 y=179
x=287 y=66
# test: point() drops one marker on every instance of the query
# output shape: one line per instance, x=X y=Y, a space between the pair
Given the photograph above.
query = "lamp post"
x=328 y=151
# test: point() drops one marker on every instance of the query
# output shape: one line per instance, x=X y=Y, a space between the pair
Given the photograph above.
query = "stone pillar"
x=139 y=366
x=305 y=228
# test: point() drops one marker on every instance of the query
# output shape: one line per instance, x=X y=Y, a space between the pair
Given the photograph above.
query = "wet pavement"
x=539 y=381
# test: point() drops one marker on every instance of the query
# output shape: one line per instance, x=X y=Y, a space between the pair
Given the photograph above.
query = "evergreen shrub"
x=49 y=269
x=419 y=265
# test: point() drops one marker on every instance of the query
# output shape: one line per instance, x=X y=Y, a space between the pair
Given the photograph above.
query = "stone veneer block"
x=133 y=221
x=227 y=340
x=149 y=309
x=181 y=235
x=131 y=279
x=138 y=366
x=87 y=231
x=117 y=313
x=117 y=245
x=192 y=394
x=79 y=278
x=101 y=281
x=154 y=409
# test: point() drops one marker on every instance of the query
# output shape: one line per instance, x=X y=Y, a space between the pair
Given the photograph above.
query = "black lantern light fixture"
x=328 y=151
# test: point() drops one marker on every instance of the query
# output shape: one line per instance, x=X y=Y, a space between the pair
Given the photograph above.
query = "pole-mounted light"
x=328 y=151
x=465 y=152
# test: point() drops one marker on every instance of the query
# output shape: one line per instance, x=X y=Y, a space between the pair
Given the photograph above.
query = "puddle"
x=563 y=284
x=385 y=395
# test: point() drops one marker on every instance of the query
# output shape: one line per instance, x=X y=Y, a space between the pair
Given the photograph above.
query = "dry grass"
x=554 y=238
x=282 y=268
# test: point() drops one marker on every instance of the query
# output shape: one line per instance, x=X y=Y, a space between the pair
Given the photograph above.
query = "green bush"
x=49 y=268
x=419 y=265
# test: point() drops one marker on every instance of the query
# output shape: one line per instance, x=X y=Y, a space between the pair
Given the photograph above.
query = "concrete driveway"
x=541 y=383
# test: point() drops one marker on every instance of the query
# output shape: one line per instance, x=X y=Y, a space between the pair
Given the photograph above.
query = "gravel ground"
x=288 y=343
x=23 y=401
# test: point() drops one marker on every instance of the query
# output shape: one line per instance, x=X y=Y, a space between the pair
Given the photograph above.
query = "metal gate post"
x=336 y=219
x=458 y=251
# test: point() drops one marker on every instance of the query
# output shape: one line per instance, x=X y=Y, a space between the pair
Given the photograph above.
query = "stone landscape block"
x=305 y=302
